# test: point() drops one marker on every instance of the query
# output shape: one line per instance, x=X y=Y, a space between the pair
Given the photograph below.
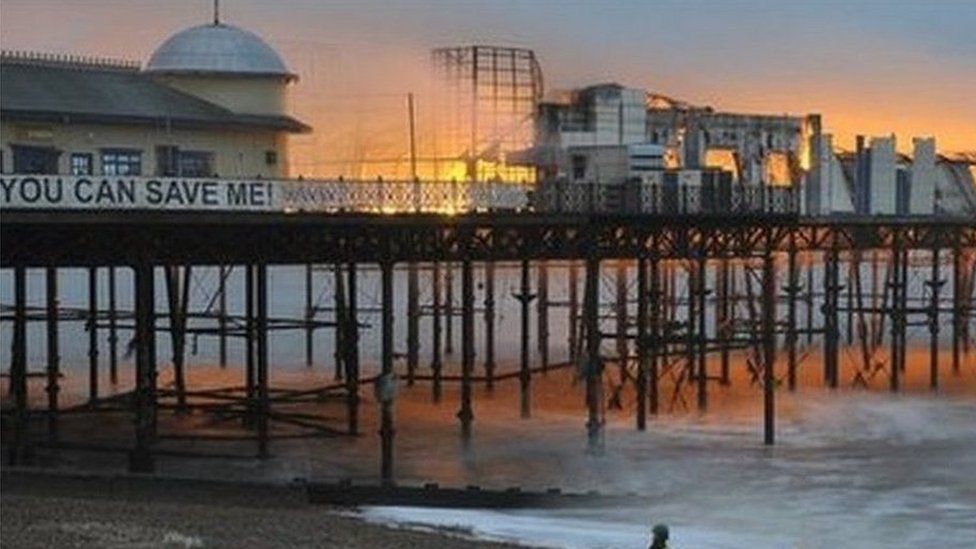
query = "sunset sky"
x=868 y=66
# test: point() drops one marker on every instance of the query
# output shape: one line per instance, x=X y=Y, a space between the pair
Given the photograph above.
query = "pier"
x=688 y=291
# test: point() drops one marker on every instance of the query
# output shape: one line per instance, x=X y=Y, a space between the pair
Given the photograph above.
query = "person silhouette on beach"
x=660 y=537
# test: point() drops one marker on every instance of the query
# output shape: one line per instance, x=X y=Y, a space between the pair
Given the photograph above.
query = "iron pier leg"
x=642 y=343
x=141 y=458
x=93 y=335
x=525 y=376
x=19 y=449
x=769 y=348
x=350 y=338
x=113 y=332
x=722 y=321
x=831 y=331
x=343 y=328
x=449 y=308
x=897 y=287
x=249 y=366
x=935 y=284
x=309 y=318
x=262 y=359
x=655 y=337
x=467 y=348
x=702 y=331
x=957 y=306
x=178 y=295
x=594 y=365
x=413 y=323
x=387 y=431
x=573 y=311
x=490 y=325
x=792 y=292
x=542 y=316
x=53 y=352
x=621 y=319
x=436 y=362
x=222 y=314
x=809 y=298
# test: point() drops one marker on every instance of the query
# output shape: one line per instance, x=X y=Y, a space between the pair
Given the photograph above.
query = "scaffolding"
x=490 y=97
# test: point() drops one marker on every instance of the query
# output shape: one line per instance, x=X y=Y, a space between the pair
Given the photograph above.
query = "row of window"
x=170 y=161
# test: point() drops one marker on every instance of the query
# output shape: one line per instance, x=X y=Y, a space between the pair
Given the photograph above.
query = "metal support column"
x=769 y=346
x=413 y=323
x=350 y=338
x=309 y=317
x=465 y=414
x=113 y=330
x=448 y=308
x=642 y=343
x=92 y=335
x=655 y=345
x=19 y=447
x=222 y=274
x=53 y=352
x=490 y=325
x=141 y=458
x=388 y=379
x=249 y=365
x=831 y=331
x=620 y=311
x=542 y=315
x=263 y=404
x=792 y=293
x=573 y=323
x=935 y=285
x=436 y=362
x=722 y=327
x=525 y=376
x=897 y=286
x=594 y=364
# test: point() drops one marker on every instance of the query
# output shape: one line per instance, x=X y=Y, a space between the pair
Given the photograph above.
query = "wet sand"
x=55 y=510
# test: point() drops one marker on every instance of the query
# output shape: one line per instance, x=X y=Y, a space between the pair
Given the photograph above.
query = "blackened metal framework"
x=655 y=246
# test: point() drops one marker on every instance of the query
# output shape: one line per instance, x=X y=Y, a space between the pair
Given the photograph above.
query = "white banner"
x=134 y=193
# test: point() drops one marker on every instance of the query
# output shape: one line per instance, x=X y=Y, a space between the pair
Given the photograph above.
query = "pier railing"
x=336 y=196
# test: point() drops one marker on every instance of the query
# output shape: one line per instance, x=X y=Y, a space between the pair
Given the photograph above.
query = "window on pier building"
x=121 y=162
x=81 y=164
x=172 y=162
x=579 y=166
x=35 y=159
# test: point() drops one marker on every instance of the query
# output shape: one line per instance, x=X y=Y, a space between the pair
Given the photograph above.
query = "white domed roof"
x=217 y=49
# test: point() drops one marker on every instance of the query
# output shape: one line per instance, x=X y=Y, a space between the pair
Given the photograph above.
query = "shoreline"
x=78 y=509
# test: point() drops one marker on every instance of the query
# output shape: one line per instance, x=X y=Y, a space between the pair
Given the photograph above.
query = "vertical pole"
x=573 y=311
x=449 y=308
x=769 y=345
x=113 y=332
x=594 y=365
x=831 y=332
x=413 y=320
x=343 y=328
x=176 y=328
x=542 y=315
x=309 y=317
x=92 y=335
x=436 y=363
x=222 y=314
x=467 y=348
x=621 y=318
x=18 y=452
x=141 y=459
x=642 y=343
x=386 y=401
x=490 y=325
x=249 y=366
x=351 y=349
x=792 y=291
x=655 y=322
x=957 y=305
x=702 y=334
x=897 y=288
x=262 y=359
x=53 y=352
x=525 y=375
x=809 y=298
x=935 y=284
x=722 y=321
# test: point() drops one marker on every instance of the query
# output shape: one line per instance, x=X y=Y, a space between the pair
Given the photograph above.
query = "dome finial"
x=216 y=12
